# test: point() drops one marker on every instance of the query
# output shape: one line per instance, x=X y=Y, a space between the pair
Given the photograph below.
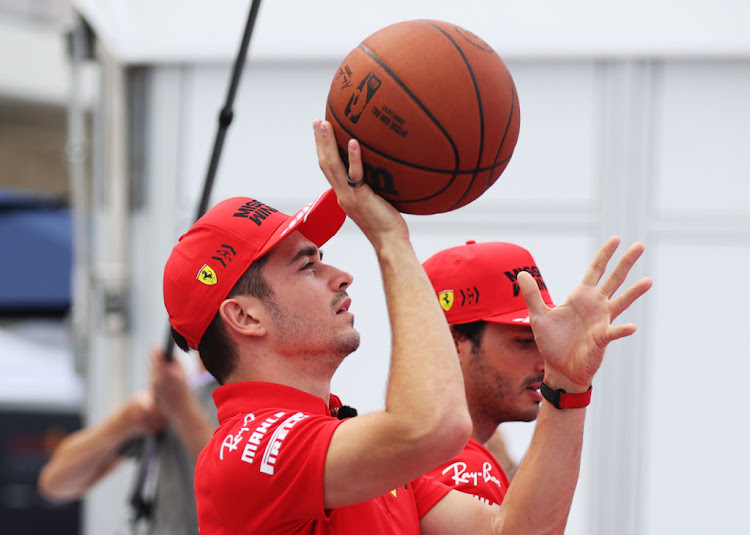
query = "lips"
x=534 y=389
x=344 y=306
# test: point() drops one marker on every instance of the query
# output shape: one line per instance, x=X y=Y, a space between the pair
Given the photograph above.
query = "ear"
x=463 y=345
x=243 y=315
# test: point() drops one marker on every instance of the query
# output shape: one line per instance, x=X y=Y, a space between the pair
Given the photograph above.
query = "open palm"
x=572 y=337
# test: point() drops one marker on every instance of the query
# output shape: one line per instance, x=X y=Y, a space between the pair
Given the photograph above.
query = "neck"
x=481 y=436
x=484 y=426
x=296 y=373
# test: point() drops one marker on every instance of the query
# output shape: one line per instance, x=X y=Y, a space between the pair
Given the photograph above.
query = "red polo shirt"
x=475 y=471
x=262 y=472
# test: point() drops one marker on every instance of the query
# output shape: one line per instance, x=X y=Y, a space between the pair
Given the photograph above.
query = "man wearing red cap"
x=477 y=287
x=246 y=286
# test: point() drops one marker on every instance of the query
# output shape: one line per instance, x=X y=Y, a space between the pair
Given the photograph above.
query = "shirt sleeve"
x=474 y=471
x=427 y=493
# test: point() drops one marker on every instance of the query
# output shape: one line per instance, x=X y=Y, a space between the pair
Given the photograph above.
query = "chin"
x=349 y=344
x=534 y=413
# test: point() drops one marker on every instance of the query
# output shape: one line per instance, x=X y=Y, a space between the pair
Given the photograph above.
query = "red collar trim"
x=241 y=398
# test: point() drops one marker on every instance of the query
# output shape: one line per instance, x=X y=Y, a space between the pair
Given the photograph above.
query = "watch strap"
x=561 y=399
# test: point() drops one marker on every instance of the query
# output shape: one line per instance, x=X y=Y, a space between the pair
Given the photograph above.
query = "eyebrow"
x=306 y=251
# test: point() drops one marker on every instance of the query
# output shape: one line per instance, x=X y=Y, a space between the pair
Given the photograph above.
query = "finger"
x=623 y=267
x=615 y=332
x=531 y=294
x=599 y=265
x=622 y=302
x=329 y=159
x=356 y=170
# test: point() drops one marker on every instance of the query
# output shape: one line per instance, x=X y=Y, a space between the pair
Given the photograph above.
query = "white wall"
x=186 y=31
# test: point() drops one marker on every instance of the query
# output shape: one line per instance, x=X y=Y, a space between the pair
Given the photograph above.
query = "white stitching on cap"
x=302 y=214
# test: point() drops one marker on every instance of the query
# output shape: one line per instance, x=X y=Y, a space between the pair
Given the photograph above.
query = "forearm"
x=193 y=427
x=83 y=458
x=425 y=385
x=546 y=477
x=425 y=421
x=496 y=446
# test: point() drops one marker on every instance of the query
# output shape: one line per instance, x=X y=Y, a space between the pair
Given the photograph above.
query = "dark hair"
x=216 y=349
x=470 y=331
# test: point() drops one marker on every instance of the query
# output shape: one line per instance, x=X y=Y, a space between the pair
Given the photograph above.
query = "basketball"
x=434 y=109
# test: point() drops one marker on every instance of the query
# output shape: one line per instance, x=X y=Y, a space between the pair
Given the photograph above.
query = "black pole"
x=225 y=118
x=142 y=505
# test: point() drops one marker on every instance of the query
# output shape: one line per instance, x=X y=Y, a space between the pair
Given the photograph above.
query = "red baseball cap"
x=477 y=281
x=211 y=257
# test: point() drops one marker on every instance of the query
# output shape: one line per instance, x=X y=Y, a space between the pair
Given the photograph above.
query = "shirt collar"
x=240 y=398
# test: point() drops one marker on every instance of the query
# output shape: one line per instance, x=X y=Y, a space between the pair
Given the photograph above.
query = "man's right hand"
x=377 y=218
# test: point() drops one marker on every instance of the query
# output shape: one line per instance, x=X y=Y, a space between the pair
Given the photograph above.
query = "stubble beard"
x=296 y=332
x=497 y=399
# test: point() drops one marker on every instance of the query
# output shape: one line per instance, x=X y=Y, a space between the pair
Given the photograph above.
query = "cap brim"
x=319 y=221
x=517 y=317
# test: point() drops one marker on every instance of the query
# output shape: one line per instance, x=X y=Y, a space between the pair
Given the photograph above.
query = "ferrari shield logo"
x=207 y=275
x=446 y=299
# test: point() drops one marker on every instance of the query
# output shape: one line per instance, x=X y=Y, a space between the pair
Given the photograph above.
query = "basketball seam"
x=416 y=100
x=454 y=173
x=479 y=105
x=428 y=113
x=388 y=156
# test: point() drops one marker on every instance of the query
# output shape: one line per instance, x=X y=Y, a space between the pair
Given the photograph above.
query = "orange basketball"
x=435 y=111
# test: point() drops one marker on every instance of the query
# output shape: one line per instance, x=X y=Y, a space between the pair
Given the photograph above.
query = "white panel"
x=703 y=139
x=697 y=461
x=554 y=158
x=161 y=219
x=269 y=151
x=43 y=47
x=144 y=31
x=38 y=69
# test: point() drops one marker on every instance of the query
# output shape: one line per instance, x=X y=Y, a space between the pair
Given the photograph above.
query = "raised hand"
x=572 y=337
x=142 y=415
x=373 y=214
x=169 y=384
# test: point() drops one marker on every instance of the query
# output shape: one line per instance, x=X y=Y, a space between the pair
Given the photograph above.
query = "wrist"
x=129 y=423
x=562 y=399
x=558 y=381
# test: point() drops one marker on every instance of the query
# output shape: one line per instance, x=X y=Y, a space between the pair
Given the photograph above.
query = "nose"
x=540 y=364
x=341 y=279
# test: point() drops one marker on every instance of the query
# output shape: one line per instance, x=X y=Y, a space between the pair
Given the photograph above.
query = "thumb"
x=531 y=294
